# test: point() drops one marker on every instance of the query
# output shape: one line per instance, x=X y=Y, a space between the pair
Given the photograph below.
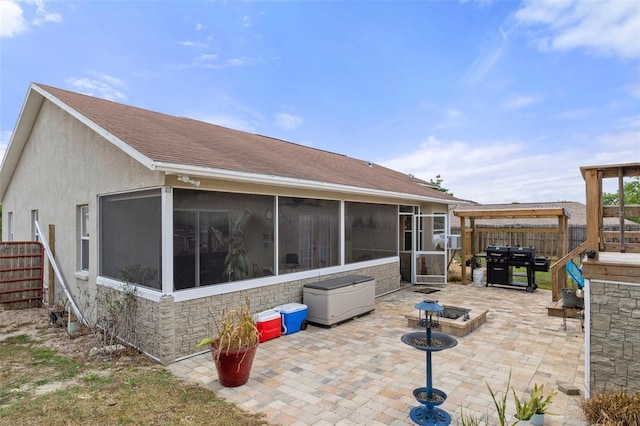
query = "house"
x=198 y=217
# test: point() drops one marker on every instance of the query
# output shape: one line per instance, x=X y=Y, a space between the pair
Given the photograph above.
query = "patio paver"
x=359 y=372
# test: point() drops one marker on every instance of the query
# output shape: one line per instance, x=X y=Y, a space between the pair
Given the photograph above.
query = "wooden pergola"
x=469 y=249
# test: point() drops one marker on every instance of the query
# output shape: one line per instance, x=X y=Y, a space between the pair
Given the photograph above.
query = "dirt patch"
x=35 y=323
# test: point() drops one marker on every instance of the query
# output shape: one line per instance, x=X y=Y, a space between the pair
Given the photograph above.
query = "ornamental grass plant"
x=612 y=408
x=235 y=330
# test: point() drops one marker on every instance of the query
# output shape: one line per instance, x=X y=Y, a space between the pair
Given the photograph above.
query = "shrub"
x=612 y=408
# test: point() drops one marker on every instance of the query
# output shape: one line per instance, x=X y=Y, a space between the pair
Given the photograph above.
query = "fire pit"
x=429 y=341
x=453 y=320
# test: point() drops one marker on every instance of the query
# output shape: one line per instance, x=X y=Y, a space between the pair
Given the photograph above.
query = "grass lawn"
x=39 y=385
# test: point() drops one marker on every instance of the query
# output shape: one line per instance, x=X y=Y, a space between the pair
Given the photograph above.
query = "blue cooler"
x=294 y=317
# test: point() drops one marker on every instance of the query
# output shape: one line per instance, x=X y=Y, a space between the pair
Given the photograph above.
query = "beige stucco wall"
x=64 y=164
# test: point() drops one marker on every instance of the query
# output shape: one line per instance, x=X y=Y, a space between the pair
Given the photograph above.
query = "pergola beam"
x=468 y=252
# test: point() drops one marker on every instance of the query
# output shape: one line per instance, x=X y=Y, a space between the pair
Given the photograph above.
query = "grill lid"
x=522 y=253
x=498 y=251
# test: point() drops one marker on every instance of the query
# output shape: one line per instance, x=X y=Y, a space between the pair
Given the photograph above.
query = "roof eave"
x=28 y=114
x=22 y=130
x=286 y=182
x=126 y=148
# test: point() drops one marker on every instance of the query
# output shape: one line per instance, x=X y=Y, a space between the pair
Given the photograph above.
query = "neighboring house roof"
x=180 y=145
x=577 y=214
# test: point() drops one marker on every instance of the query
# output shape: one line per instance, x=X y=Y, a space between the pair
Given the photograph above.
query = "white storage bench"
x=338 y=299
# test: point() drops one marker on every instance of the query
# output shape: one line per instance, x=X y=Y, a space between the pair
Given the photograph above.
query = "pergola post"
x=463 y=250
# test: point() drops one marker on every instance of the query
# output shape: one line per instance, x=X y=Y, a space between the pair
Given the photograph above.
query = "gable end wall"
x=65 y=164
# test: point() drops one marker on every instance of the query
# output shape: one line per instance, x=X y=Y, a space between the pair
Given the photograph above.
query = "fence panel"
x=543 y=238
x=21 y=274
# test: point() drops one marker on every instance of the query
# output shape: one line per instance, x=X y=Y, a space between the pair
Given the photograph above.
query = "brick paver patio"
x=360 y=373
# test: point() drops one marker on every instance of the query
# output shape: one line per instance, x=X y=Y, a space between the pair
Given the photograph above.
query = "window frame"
x=10 y=227
x=83 y=236
x=34 y=231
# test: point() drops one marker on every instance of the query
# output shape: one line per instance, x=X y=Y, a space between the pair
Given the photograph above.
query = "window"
x=34 y=230
x=10 y=226
x=308 y=231
x=131 y=237
x=371 y=231
x=406 y=226
x=220 y=237
x=84 y=237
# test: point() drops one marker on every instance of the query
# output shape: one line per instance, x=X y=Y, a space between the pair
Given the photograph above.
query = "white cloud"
x=12 y=21
x=207 y=57
x=487 y=59
x=200 y=27
x=287 y=121
x=103 y=86
x=234 y=62
x=507 y=171
x=42 y=15
x=610 y=27
x=194 y=44
x=520 y=101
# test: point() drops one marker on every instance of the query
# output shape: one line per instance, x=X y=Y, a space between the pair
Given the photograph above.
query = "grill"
x=502 y=259
x=521 y=256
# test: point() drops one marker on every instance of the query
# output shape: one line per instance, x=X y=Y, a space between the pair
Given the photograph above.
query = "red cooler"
x=268 y=323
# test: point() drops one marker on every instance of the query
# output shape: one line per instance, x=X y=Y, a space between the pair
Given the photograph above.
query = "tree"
x=438 y=185
x=631 y=191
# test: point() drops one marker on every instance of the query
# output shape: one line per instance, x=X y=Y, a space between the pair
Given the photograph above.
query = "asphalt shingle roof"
x=182 y=141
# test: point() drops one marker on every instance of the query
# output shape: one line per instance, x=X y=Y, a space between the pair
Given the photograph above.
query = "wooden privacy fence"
x=545 y=240
x=543 y=237
x=21 y=274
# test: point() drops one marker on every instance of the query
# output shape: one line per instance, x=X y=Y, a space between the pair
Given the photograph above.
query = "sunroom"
x=198 y=217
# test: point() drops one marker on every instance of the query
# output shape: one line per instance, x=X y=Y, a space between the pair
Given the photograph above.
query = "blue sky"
x=504 y=99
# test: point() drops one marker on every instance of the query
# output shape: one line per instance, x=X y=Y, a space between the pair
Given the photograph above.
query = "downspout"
x=53 y=263
x=587 y=338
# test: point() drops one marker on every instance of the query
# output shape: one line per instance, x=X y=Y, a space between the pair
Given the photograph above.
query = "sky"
x=504 y=100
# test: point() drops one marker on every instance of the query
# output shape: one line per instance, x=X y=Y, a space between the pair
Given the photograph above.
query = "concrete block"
x=568 y=389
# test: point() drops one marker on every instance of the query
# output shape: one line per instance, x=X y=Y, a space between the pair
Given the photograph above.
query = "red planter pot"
x=234 y=366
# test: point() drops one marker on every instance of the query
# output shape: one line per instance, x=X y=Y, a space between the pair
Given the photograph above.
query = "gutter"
x=286 y=182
